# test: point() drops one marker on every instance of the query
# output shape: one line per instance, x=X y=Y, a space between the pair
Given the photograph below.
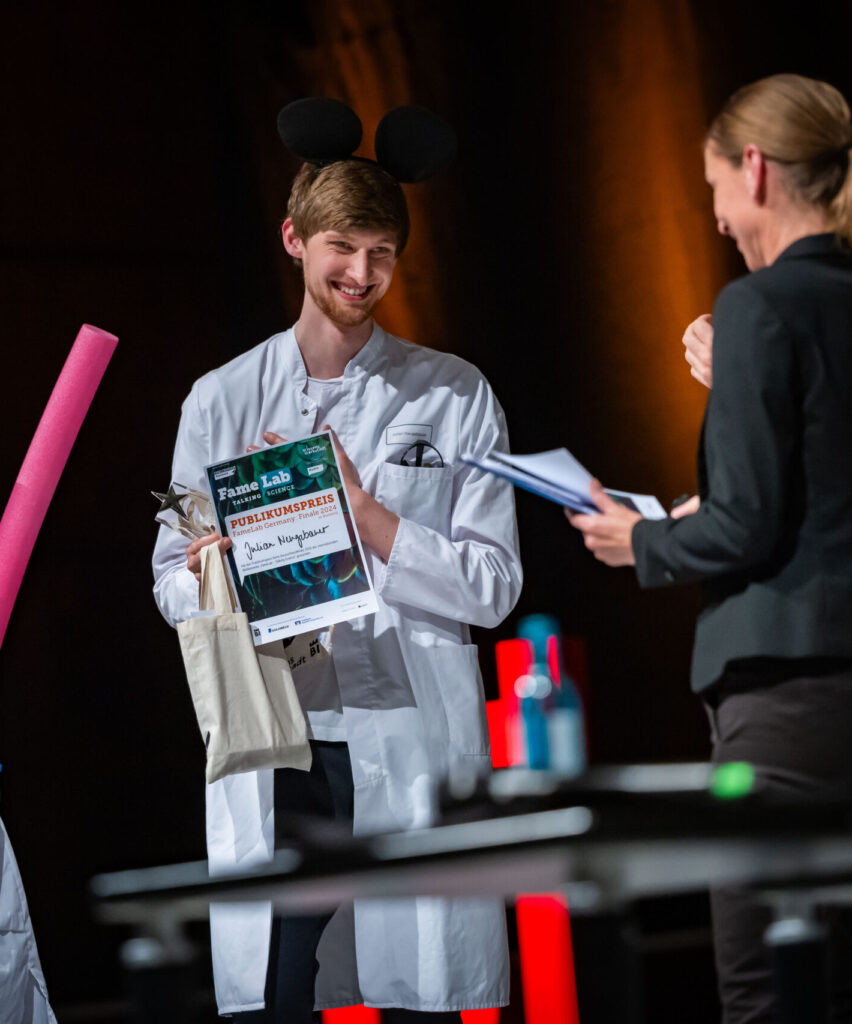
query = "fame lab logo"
x=276 y=482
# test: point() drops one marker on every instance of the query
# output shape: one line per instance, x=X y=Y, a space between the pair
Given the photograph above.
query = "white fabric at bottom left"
x=23 y=992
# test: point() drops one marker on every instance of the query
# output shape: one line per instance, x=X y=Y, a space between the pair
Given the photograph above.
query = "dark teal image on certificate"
x=295 y=547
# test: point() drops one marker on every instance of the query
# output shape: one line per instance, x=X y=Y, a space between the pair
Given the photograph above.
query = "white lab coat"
x=23 y=993
x=411 y=694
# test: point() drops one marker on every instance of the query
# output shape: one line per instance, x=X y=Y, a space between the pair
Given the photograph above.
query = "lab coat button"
x=669 y=576
x=305 y=412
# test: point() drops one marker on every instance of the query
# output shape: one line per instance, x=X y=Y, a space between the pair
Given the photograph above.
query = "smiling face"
x=346 y=272
x=734 y=203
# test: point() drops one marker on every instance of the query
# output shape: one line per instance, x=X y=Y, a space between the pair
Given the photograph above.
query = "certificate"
x=296 y=561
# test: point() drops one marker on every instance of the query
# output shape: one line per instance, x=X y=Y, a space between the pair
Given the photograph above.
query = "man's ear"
x=754 y=164
x=292 y=243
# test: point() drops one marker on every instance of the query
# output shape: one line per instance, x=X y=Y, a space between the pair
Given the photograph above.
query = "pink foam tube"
x=46 y=457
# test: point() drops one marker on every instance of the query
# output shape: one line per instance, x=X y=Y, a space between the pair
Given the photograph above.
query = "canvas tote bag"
x=244 y=697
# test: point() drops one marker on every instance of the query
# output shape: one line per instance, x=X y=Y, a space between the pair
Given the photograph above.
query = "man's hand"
x=607 y=536
x=376 y=524
x=193 y=551
x=270 y=438
x=350 y=474
x=698 y=339
x=347 y=469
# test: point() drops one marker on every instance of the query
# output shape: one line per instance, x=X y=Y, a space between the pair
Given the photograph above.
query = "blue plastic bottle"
x=562 y=707
x=534 y=690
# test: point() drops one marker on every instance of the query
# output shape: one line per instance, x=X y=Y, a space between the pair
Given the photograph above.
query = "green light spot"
x=732 y=781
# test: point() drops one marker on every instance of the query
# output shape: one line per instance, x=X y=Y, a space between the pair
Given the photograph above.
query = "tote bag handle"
x=215 y=593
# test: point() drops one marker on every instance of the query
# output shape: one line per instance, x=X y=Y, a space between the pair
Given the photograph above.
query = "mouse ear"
x=319 y=129
x=412 y=144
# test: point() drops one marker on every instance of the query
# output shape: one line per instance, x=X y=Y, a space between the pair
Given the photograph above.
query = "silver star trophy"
x=186 y=510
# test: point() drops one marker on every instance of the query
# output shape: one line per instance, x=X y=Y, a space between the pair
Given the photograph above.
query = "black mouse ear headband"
x=412 y=143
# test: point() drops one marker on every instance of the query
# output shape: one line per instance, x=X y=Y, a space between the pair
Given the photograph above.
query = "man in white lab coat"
x=399 y=701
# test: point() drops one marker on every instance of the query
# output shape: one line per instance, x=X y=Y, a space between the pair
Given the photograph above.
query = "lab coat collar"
x=363 y=362
x=291 y=357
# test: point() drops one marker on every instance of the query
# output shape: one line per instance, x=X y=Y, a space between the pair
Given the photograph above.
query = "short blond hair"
x=346 y=195
x=802 y=124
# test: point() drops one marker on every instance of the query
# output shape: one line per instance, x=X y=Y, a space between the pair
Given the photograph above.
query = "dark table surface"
x=618 y=833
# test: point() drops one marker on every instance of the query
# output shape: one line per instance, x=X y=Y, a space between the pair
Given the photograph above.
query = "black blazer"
x=772 y=540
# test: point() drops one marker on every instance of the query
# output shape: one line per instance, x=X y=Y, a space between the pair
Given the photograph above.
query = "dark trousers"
x=326 y=791
x=797 y=732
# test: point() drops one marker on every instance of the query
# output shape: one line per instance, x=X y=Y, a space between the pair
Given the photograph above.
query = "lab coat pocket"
x=422 y=494
x=456 y=672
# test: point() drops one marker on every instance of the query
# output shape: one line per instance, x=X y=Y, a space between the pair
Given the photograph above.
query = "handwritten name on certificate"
x=287 y=532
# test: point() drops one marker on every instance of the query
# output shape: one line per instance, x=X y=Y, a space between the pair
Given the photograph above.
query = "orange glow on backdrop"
x=654 y=263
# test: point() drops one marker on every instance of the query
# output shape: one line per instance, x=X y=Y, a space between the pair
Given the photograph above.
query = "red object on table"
x=352 y=1015
x=514 y=658
x=489 y=1016
x=367 y=1015
x=547 y=961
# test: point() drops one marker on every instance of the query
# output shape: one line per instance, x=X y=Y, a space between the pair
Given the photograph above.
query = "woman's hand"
x=686 y=508
x=608 y=535
x=698 y=340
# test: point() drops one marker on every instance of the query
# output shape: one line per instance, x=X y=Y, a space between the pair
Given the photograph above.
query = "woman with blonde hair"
x=772 y=537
